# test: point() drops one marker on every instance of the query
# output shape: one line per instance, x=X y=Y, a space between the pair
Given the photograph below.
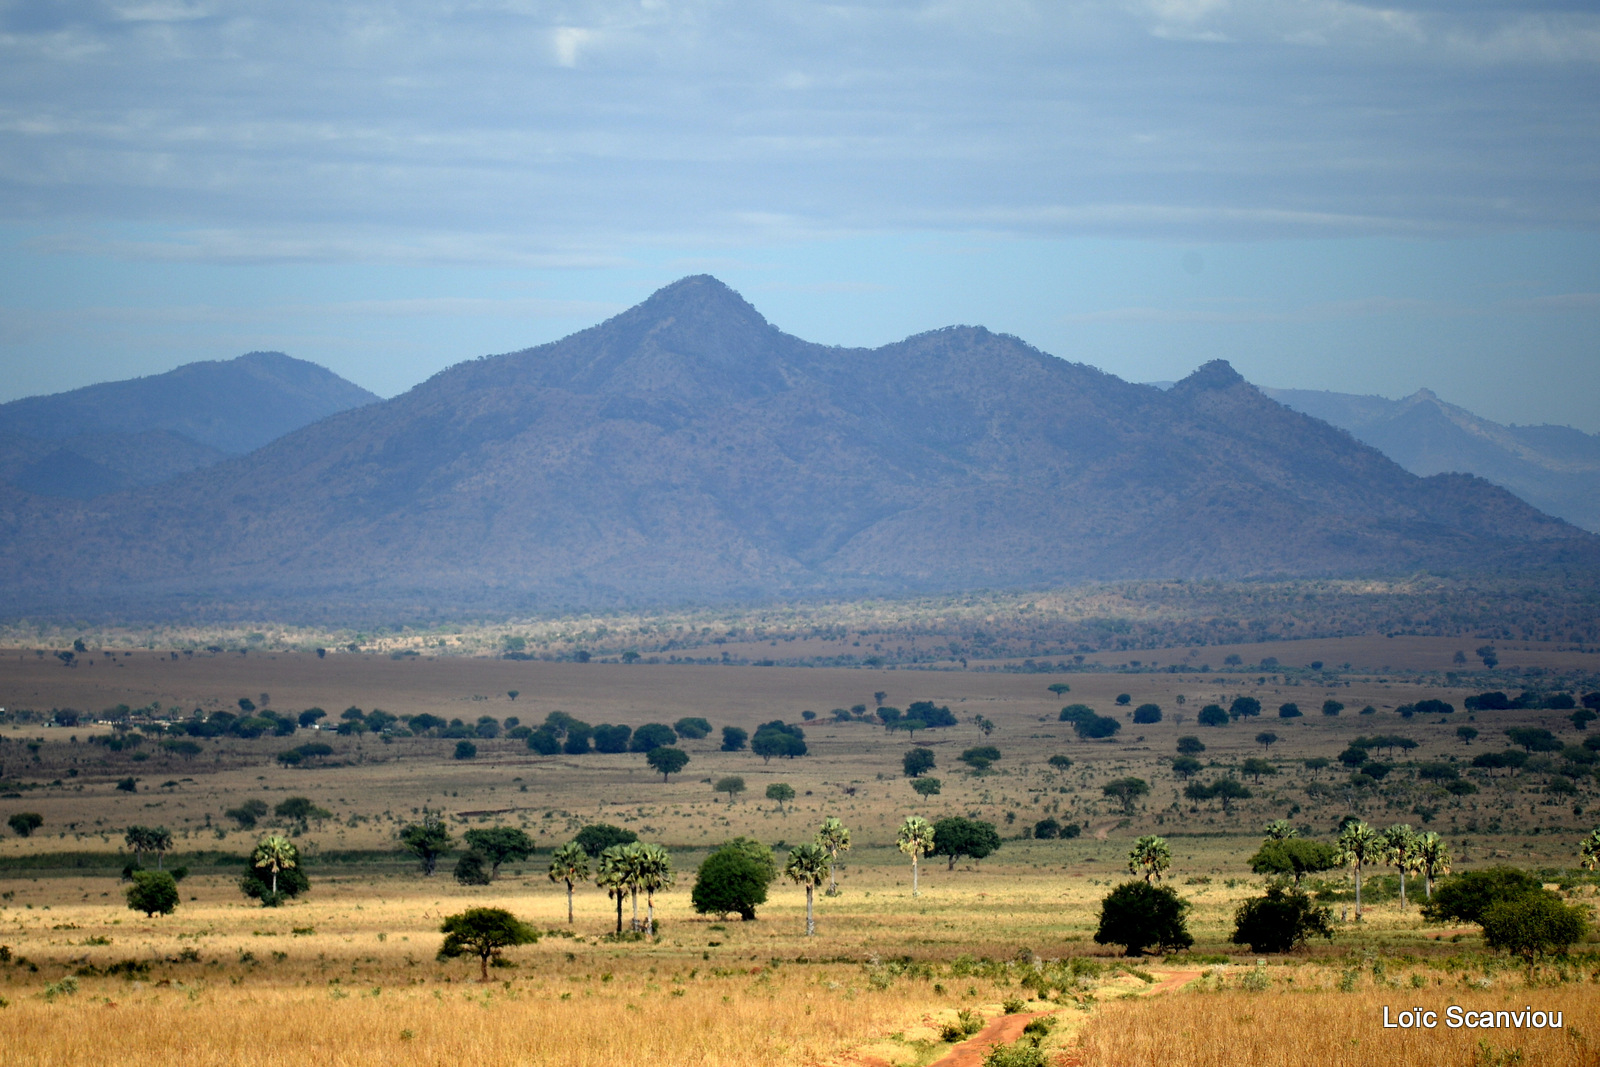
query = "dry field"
x=348 y=975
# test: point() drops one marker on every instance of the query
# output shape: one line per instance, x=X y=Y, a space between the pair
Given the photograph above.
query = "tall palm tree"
x=1400 y=852
x=1433 y=858
x=1589 y=850
x=635 y=861
x=276 y=854
x=569 y=864
x=915 y=839
x=1359 y=844
x=808 y=865
x=612 y=876
x=1149 y=856
x=655 y=874
x=1281 y=830
x=833 y=837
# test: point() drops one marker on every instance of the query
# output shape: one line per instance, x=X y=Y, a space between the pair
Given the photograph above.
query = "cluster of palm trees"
x=1399 y=847
x=623 y=871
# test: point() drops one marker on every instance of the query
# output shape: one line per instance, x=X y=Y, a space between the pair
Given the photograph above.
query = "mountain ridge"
x=687 y=450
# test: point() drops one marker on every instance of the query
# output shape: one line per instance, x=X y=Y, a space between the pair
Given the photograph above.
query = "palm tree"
x=833 y=838
x=1281 y=830
x=1589 y=850
x=1400 y=852
x=1149 y=856
x=808 y=865
x=275 y=854
x=612 y=876
x=915 y=839
x=635 y=861
x=655 y=874
x=1358 y=845
x=569 y=864
x=1433 y=858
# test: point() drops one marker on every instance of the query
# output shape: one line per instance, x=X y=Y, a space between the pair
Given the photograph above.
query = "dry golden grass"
x=1315 y=1024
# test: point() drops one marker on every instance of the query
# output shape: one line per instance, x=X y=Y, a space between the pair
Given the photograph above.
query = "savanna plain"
x=993 y=957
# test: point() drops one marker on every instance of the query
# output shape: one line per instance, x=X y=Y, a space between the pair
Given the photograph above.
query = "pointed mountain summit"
x=686 y=450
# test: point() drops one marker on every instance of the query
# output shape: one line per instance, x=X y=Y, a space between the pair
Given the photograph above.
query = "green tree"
x=1255 y=767
x=1465 y=897
x=1138 y=915
x=780 y=792
x=1432 y=859
x=1212 y=715
x=667 y=761
x=300 y=811
x=654 y=874
x=734 y=879
x=833 y=837
x=1190 y=746
x=1294 y=857
x=24 y=823
x=153 y=892
x=692 y=727
x=497 y=844
x=1125 y=791
x=1400 y=852
x=651 y=736
x=275 y=855
x=734 y=739
x=917 y=762
x=1186 y=766
x=732 y=785
x=597 y=837
x=1588 y=850
x=1279 y=921
x=427 y=840
x=483 y=932
x=1228 y=790
x=955 y=837
x=613 y=874
x=1533 y=925
x=927 y=787
x=472 y=869
x=1150 y=857
x=915 y=839
x=1359 y=845
x=466 y=750
x=569 y=864
x=1060 y=762
x=142 y=839
x=808 y=865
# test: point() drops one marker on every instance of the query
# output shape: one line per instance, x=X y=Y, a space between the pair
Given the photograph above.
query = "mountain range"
x=1554 y=468
x=144 y=431
x=688 y=451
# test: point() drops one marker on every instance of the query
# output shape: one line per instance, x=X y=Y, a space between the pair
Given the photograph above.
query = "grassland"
x=347 y=973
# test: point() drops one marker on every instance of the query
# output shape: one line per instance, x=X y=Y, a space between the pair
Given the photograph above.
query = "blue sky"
x=1331 y=195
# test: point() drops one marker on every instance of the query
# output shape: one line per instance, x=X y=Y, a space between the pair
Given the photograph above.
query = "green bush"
x=153 y=892
x=1534 y=924
x=1465 y=897
x=734 y=878
x=472 y=869
x=1279 y=921
x=1138 y=915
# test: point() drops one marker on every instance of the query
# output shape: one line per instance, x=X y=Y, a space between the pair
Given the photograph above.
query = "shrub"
x=472 y=869
x=1046 y=829
x=466 y=750
x=917 y=762
x=1533 y=924
x=1465 y=897
x=1279 y=921
x=24 y=823
x=1145 y=714
x=1138 y=915
x=652 y=735
x=927 y=787
x=1213 y=715
x=597 y=837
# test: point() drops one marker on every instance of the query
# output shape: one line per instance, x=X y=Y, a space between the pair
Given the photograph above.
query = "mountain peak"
x=1215 y=375
x=701 y=296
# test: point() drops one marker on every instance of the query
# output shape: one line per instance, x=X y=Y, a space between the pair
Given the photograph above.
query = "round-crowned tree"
x=668 y=761
x=472 y=869
x=734 y=879
x=917 y=762
x=153 y=892
x=1533 y=925
x=1138 y=915
x=483 y=932
x=1281 y=920
x=927 y=787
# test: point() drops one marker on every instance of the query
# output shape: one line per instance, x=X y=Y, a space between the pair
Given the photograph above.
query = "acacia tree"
x=668 y=761
x=427 y=840
x=732 y=785
x=569 y=864
x=780 y=792
x=497 y=844
x=915 y=839
x=833 y=837
x=1400 y=852
x=1433 y=859
x=483 y=932
x=1359 y=845
x=1150 y=857
x=808 y=865
x=1126 y=791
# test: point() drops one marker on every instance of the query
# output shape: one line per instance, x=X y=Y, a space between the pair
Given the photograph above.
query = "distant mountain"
x=118 y=435
x=1554 y=468
x=687 y=450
